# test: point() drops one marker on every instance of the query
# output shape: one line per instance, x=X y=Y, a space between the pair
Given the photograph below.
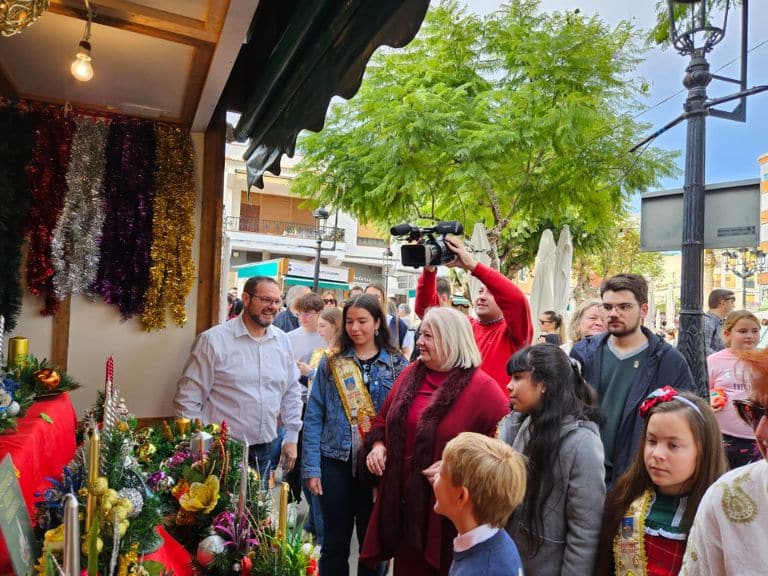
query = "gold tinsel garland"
x=172 y=270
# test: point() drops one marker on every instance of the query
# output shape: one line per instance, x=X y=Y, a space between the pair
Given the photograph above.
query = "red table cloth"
x=39 y=449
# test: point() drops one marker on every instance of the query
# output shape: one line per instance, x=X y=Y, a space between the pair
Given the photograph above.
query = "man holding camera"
x=503 y=323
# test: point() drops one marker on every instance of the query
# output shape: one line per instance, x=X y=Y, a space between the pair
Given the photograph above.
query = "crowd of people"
x=471 y=445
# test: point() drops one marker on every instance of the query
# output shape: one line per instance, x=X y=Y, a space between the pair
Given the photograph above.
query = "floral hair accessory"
x=665 y=394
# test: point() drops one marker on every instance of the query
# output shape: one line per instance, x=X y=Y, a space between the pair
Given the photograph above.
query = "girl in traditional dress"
x=350 y=385
x=651 y=507
x=730 y=379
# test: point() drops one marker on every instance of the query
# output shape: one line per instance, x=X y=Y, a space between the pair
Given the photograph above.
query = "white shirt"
x=305 y=343
x=473 y=537
x=247 y=382
x=730 y=531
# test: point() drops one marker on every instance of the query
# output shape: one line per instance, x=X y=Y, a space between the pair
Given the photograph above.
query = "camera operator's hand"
x=463 y=258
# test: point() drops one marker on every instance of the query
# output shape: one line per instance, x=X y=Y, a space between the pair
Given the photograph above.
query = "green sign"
x=14 y=521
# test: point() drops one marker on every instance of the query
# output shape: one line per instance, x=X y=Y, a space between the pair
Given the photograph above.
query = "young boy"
x=480 y=483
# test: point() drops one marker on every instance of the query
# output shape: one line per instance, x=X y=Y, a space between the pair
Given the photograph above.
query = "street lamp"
x=692 y=33
x=387 y=261
x=320 y=215
x=750 y=262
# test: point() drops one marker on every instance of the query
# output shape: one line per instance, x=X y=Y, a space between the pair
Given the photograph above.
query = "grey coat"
x=573 y=511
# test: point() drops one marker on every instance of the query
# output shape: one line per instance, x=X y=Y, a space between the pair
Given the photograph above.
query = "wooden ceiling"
x=163 y=59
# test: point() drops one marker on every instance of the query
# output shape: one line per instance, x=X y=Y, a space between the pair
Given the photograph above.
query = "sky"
x=732 y=147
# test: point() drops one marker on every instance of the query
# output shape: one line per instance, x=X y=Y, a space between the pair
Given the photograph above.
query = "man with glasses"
x=244 y=371
x=721 y=302
x=624 y=365
x=730 y=531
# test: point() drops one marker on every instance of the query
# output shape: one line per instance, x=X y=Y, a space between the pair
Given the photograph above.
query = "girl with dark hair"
x=651 y=507
x=554 y=425
x=551 y=325
x=350 y=386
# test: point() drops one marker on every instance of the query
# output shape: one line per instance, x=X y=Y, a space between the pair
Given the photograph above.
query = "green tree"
x=620 y=253
x=660 y=33
x=521 y=120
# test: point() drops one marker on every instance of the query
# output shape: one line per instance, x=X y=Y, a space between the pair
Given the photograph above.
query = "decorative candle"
x=71 y=536
x=108 y=418
x=282 y=522
x=93 y=474
x=182 y=425
x=18 y=348
x=200 y=443
x=243 y=480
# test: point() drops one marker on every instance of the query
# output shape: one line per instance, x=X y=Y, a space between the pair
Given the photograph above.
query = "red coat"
x=477 y=406
x=497 y=342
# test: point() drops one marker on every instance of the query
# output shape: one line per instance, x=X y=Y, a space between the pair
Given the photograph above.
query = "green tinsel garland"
x=15 y=153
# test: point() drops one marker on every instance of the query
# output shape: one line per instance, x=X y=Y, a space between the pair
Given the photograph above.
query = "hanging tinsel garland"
x=128 y=190
x=47 y=176
x=15 y=153
x=75 y=243
x=173 y=229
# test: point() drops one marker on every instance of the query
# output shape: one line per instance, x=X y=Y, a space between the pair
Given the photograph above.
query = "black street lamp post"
x=692 y=33
x=321 y=216
x=744 y=266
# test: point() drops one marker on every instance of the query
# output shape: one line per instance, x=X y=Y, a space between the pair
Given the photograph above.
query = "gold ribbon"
x=354 y=395
x=629 y=542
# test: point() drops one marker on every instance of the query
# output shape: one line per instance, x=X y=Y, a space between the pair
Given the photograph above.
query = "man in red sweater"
x=503 y=323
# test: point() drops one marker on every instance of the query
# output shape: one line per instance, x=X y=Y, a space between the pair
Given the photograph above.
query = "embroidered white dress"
x=730 y=533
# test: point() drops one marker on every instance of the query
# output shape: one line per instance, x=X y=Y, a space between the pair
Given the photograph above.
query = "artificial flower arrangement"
x=121 y=512
x=25 y=381
x=219 y=510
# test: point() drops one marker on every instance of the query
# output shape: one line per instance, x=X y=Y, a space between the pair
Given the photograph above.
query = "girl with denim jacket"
x=349 y=388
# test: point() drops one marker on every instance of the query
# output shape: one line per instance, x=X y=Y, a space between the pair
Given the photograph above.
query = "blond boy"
x=480 y=483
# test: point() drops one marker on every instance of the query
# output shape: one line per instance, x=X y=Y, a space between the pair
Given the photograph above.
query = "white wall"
x=147 y=364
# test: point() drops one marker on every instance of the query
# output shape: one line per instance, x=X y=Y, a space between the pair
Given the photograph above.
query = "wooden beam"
x=211 y=222
x=217 y=14
x=141 y=19
x=60 y=340
x=198 y=72
x=7 y=89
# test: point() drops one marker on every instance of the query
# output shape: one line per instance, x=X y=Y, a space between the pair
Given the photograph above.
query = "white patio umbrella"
x=481 y=251
x=562 y=277
x=542 y=294
x=670 y=306
x=652 y=318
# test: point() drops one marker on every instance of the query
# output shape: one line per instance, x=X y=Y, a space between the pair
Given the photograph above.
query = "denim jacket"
x=327 y=431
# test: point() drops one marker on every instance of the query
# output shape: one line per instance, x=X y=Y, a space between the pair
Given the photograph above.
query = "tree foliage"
x=620 y=253
x=521 y=120
x=659 y=34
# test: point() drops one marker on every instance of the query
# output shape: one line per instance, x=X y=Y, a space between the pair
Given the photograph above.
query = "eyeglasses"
x=329 y=300
x=750 y=411
x=623 y=307
x=308 y=313
x=266 y=301
x=545 y=321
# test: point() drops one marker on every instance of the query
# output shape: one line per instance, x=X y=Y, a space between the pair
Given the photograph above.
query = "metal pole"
x=318 y=252
x=691 y=339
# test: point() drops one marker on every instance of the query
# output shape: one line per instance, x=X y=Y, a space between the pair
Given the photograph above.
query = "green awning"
x=325 y=284
x=269 y=268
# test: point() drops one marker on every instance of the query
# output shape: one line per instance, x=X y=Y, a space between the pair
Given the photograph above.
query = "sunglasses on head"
x=750 y=411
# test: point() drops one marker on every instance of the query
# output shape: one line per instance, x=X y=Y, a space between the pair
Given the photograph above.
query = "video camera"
x=427 y=250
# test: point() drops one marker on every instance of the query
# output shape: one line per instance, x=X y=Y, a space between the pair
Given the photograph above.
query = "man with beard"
x=626 y=364
x=244 y=372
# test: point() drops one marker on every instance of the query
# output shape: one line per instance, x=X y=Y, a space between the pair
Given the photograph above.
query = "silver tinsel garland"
x=75 y=243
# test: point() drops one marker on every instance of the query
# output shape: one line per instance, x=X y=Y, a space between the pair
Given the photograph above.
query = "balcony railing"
x=280 y=228
x=376 y=242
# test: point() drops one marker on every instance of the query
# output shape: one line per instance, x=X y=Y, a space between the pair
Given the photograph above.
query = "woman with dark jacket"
x=437 y=397
x=557 y=527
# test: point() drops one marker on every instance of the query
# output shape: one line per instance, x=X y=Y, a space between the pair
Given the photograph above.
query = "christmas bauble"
x=208 y=548
x=13 y=409
x=134 y=497
x=48 y=378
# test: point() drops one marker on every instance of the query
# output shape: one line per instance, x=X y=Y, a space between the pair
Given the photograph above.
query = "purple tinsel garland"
x=123 y=276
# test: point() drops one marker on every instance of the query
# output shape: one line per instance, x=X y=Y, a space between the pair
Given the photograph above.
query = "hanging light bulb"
x=81 y=66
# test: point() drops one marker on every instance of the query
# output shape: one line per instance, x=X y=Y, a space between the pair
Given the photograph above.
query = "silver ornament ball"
x=208 y=548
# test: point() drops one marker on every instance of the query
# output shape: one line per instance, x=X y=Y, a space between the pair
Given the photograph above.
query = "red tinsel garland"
x=47 y=178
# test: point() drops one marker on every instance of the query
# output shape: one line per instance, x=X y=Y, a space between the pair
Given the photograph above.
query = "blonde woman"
x=586 y=321
x=729 y=380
